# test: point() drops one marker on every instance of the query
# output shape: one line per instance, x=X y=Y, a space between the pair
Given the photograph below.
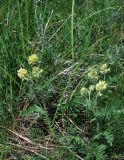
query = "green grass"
x=47 y=118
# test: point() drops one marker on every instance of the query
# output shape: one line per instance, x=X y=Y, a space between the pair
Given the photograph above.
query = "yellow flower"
x=91 y=88
x=104 y=69
x=101 y=85
x=22 y=73
x=83 y=90
x=36 y=71
x=33 y=59
x=93 y=74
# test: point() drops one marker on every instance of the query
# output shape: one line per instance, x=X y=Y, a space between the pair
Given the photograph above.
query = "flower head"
x=104 y=69
x=93 y=74
x=83 y=90
x=36 y=71
x=101 y=85
x=91 y=88
x=22 y=73
x=33 y=59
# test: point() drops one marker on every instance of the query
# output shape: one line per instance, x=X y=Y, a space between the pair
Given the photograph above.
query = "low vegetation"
x=62 y=79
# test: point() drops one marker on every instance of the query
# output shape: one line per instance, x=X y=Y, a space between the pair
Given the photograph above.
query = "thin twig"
x=27 y=139
x=76 y=155
x=74 y=124
x=30 y=150
x=68 y=69
x=59 y=28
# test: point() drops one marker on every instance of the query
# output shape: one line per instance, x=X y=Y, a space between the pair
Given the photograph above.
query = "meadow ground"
x=61 y=79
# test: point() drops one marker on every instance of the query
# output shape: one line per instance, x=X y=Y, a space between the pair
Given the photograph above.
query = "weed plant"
x=62 y=79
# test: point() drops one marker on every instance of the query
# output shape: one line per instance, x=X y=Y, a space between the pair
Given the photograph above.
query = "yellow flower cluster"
x=91 y=88
x=104 y=69
x=36 y=71
x=83 y=90
x=22 y=73
x=92 y=74
x=101 y=85
x=33 y=59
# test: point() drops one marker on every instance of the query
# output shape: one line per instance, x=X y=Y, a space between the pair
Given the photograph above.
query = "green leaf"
x=33 y=110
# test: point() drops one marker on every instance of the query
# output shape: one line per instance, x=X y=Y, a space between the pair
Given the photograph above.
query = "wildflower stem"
x=89 y=97
x=21 y=27
x=72 y=29
x=104 y=77
x=95 y=105
x=97 y=128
